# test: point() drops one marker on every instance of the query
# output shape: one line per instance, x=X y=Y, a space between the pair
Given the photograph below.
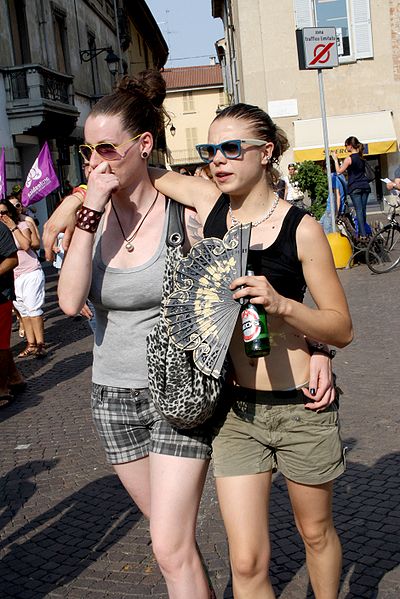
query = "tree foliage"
x=313 y=180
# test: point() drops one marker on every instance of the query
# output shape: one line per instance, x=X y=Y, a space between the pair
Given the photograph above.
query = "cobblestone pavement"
x=68 y=529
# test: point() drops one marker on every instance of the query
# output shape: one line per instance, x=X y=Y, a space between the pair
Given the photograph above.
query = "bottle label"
x=251 y=324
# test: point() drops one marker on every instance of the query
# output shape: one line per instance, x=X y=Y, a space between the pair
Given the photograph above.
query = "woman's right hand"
x=102 y=183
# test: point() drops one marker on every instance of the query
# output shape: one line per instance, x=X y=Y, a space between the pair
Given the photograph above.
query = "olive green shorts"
x=260 y=431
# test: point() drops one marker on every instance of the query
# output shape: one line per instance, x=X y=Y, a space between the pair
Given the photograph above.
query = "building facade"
x=57 y=58
x=362 y=95
x=194 y=96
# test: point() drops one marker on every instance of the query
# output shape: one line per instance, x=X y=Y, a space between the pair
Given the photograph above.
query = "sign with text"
x=319 y=48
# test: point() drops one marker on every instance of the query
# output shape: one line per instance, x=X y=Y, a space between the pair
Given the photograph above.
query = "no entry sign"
x=319 y=48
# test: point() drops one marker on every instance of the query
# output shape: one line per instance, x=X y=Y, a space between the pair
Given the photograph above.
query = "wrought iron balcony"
x=36 y=97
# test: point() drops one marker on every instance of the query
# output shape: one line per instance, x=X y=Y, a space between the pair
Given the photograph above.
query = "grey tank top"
x=127 y=305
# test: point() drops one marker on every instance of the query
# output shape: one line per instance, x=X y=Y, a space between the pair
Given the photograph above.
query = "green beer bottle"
x=254 y=327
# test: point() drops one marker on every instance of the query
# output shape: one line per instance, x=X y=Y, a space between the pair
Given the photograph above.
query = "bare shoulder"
x=311 y=239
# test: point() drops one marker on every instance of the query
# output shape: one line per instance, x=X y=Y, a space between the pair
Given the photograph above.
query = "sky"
x=189 y=30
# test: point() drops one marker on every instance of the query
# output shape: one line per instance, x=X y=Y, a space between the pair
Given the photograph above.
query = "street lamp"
x=172 y=129
x=111 y=59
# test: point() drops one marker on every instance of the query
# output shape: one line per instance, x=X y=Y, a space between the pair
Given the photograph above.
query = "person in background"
x=339 y=190
x=11 y=380
x=203 y=170
x=29 y=282
x=184 y=171
x=395 y=184
x=29 y=211
x=357 y=182
x=293 y=193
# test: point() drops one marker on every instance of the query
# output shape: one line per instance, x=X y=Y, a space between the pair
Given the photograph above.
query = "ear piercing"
x=144 y=154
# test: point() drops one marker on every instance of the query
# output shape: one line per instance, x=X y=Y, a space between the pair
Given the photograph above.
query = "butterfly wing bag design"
x=187 y=348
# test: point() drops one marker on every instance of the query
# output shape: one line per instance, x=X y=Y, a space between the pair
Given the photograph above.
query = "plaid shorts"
x=130 y=427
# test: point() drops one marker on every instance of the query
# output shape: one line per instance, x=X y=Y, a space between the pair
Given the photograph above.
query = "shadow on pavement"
x=367 y=515
x=55 y=547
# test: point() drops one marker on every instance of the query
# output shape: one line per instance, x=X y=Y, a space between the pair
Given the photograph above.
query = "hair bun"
x=149 y=83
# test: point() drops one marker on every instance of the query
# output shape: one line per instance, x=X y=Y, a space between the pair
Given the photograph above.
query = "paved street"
x=68 y=529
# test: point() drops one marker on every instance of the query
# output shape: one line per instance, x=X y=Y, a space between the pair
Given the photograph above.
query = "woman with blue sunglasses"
x=274 y=420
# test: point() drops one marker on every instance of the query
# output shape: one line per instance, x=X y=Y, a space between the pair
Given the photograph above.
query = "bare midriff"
x=286 y=367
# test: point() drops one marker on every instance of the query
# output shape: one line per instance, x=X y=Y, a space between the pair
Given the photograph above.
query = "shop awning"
x=374 y=129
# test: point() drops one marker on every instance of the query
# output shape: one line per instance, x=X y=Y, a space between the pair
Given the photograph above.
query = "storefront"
x=374 y=129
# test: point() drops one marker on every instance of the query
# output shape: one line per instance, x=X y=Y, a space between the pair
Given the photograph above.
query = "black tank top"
x=279 y=262
x=356 y=175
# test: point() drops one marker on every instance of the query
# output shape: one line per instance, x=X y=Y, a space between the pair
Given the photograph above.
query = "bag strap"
x=176 y=227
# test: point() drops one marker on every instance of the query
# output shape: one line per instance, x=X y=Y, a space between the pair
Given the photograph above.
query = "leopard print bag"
x=182 y=394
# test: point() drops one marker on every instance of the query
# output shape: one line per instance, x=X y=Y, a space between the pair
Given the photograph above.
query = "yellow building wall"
x=191 y=115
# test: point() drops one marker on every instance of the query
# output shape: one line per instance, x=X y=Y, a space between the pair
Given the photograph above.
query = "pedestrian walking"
x=271 y=421
x=11 y=380
x=29 y=282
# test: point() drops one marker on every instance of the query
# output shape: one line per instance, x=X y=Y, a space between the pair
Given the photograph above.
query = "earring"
x=144 y=154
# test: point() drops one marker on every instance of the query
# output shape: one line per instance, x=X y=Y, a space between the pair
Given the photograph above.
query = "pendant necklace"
x=129 y=245
x=235 y=221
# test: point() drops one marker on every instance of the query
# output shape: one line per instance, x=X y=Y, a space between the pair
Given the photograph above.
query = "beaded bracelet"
x=88 y=219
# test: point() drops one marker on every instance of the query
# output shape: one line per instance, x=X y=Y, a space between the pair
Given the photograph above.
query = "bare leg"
x=176 y=488
x=38 y=329
x=29 y=332
x=135 y=476
x=244 y=502
x=312 y=508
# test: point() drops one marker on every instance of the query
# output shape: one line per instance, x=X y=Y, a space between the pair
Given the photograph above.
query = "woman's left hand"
x=260 y=292
x=321 y=382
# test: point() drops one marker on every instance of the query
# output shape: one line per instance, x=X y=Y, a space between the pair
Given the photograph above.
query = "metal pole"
x=120 y=67
x=326 y=146
x=325 y=133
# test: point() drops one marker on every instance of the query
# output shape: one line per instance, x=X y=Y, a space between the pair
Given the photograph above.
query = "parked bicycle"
x=383 y=250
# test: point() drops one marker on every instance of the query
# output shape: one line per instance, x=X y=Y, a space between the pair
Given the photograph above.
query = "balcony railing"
x=33 y=82
x=34 y=93
x=176 y=157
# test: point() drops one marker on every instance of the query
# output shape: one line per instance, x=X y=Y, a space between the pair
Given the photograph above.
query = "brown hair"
x=13 y=212
x=264 y=128
x=355 y=143
x=137 y=100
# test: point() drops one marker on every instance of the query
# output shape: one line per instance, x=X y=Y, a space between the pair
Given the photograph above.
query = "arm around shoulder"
x=194 y=192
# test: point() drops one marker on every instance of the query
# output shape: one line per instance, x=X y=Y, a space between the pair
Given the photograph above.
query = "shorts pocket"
x=325 y=418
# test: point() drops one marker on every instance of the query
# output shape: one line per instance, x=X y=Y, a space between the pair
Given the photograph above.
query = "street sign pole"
x=325 y=133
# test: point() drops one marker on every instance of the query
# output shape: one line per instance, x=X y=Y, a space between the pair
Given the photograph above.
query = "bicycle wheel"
x=383 y=251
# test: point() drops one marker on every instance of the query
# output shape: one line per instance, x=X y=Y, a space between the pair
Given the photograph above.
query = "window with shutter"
x=303 y=13
x=352 y=19
x=361 y=15
x=188 y=103
x=191 y=140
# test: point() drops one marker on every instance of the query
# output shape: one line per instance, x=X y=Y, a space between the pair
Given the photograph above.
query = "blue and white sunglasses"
x=231 y=149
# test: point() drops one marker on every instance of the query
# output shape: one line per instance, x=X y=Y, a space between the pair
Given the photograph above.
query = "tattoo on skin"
x=195 y=229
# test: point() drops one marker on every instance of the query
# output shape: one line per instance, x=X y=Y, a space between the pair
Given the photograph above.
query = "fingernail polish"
x=313 y=392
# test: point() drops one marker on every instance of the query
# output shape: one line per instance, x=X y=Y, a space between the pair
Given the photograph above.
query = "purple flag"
x=41 y=179
x=3 y=182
